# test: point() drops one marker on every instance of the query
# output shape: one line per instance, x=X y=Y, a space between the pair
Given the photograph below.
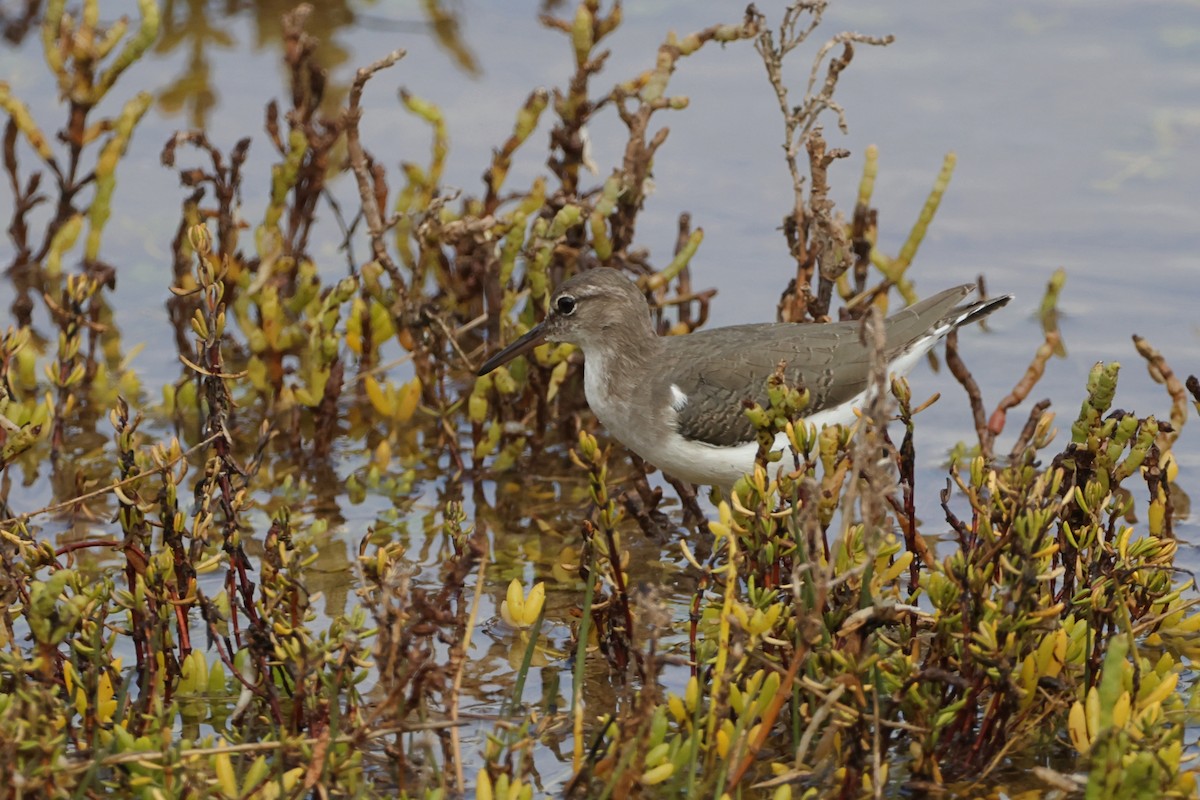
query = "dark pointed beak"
x=536 y=335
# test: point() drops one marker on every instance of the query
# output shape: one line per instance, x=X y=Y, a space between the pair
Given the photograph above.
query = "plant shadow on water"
x=330 y=560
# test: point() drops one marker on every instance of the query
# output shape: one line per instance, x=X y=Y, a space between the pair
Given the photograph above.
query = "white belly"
x=697 y=462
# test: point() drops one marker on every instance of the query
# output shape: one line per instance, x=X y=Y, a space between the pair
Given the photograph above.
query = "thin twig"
x=358 y=163
x=106 y=489
x=1161 y=373
x=404 y=359
x=1026 y=436
x=1033 y=373
x=963 y=375
x=455 y=742
x=259 y=747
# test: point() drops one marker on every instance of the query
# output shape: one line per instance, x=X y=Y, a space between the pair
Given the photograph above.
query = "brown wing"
x=719 y=376
x=719 y=370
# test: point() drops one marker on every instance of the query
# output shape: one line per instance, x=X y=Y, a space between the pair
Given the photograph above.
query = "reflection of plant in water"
x=86 y=61
x=174 y=644
x=194 y=25
x=76 y=51
x=202 y=27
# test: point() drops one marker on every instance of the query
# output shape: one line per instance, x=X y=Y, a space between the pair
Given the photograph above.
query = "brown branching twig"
x=988 y=429
x=368 y=181
x=649 y=89
x=817 y=242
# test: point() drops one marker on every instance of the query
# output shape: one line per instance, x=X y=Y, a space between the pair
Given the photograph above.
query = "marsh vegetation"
x=182 y=616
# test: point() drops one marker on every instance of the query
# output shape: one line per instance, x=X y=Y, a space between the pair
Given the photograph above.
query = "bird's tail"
x=973 y=312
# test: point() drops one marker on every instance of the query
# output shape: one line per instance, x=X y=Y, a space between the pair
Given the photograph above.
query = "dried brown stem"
x=1033 y=374
x=1026 y=435
x=963 y=375
x=770 y=714
x=815 y=239
x=364 y=176
x=1161 y=372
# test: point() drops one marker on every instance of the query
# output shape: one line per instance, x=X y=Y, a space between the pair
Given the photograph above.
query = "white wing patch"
x=678 y=398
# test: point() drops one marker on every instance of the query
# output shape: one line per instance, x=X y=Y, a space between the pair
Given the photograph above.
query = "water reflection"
x=200 y=32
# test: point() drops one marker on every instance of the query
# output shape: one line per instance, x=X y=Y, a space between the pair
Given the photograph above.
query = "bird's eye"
x=565 y=305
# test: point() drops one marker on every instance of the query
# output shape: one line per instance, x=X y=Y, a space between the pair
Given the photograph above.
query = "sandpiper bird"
x=677 y=401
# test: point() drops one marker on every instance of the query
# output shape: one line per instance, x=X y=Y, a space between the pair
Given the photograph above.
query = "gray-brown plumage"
x=677 y=401
x=830 y=361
